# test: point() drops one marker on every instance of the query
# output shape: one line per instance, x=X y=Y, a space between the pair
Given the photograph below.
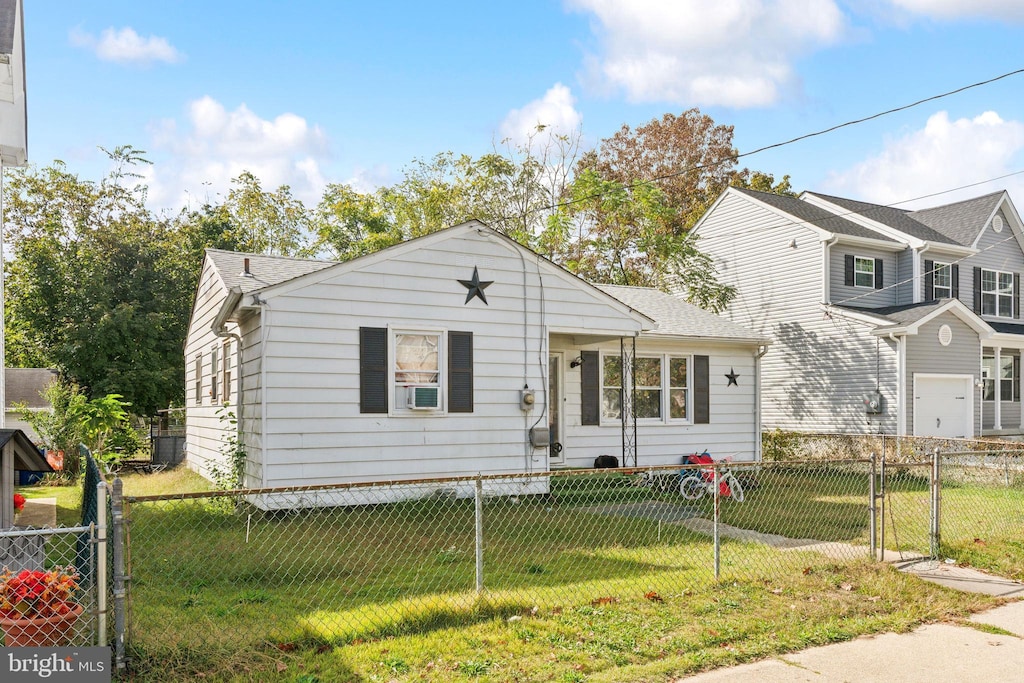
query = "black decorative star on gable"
x=476 y=287
x=732 y=378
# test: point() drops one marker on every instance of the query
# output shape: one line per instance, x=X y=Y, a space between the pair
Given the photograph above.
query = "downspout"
x=826 y=289
x=264 y=337
x=901 y=412
x=917 y=294
x=762 y=349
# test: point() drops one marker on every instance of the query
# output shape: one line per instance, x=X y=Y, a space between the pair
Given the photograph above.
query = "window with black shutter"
x=701 y=390
x=373 y=370
x=460 y=372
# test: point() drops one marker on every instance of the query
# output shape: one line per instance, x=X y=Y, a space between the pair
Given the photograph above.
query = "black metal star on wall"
x=732 y=378
x=476 y=287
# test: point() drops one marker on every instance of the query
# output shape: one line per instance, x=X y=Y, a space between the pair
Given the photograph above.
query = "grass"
x=578 y=586
x=623 y=637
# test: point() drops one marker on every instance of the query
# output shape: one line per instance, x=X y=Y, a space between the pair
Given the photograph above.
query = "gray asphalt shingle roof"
x=266 y=270
x=961 y=221
x=809 y=213
x=900 y=315
x=676 y=317
x=894 y=218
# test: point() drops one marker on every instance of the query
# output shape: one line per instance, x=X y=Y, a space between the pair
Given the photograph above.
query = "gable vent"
x=997 y=223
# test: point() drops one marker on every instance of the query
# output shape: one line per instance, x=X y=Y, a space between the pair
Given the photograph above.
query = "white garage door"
x=944 y=406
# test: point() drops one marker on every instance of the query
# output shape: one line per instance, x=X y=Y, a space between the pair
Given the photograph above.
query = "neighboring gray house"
x=25 y=387
x=882 y=320
x=457 y=353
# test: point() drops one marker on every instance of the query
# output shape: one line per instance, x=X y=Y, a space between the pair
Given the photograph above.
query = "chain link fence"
x=53 y=580
x=218 y=574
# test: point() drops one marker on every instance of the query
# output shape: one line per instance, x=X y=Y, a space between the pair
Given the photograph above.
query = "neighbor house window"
x=997 y=293
x=611 y=388
x=417 y=370
x=942 y=281
x=678 y=388
x=1005 y=377
x=199 y=378
x=863 y=272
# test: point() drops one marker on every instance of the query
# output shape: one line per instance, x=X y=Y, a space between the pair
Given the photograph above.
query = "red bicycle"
x=695 y=483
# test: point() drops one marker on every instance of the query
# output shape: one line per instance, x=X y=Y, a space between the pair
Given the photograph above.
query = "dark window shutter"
x=701 y=390
x=590 y=388
x=1016 y=295
x=373 y=370
x=878 y=273
x=848 y=281
x=1016 y=378
x=954 y=277
x=977 y=290
x=929 y=280
x=460 y=372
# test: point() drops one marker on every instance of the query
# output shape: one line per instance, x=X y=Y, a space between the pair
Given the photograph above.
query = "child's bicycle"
x=694 y=484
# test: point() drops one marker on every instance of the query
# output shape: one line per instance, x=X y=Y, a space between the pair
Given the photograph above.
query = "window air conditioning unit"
x=422 y=398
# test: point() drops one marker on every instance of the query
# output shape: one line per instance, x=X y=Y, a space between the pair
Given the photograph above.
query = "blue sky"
x=309 y=93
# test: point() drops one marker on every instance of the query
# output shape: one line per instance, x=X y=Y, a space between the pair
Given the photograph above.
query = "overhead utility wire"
x=734 y=157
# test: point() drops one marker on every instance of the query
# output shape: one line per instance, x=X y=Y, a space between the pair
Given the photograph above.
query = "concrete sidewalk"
x=936 y=652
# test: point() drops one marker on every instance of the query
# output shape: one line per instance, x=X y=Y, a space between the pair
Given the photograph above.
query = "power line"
x=735 y=157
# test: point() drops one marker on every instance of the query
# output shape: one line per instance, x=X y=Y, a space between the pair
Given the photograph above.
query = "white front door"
x=556 y=452
x=944 y=406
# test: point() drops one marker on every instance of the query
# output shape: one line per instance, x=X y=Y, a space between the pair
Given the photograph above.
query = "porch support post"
x=997 y=412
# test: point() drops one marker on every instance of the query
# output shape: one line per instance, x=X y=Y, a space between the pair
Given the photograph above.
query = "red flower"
x=32 y=593
x=19 y=502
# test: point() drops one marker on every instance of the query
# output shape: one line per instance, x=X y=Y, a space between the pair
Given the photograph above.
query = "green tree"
x=263 y=222
x=762 y=182
x=689 y=157
x=611 y=233
x=94 y=287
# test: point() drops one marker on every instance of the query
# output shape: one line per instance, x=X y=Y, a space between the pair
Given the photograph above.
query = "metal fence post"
x=936 y=499
x=118 y=537
x=717 y=539
x=479 y=518
x=101 y=564
x=881 y=507
x=873 y=509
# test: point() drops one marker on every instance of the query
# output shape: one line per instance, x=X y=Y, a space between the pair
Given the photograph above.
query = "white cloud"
x=1004 y=10
x=125 y=46
x=735 y=53
x=556 y=111
x=943 y=155
x=216 y=145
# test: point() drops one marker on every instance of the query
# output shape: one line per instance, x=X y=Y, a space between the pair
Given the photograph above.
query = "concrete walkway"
x=932 y=653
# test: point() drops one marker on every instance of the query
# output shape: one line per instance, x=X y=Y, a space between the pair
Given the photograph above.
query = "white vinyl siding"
x=315 y=432
x=206 y=431
x=731 y=430
x=861 y=294
x=999 y=252
x=818 y=368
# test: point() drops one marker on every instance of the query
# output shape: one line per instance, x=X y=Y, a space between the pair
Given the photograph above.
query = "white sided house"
x=457 y=353
x=883 y=320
